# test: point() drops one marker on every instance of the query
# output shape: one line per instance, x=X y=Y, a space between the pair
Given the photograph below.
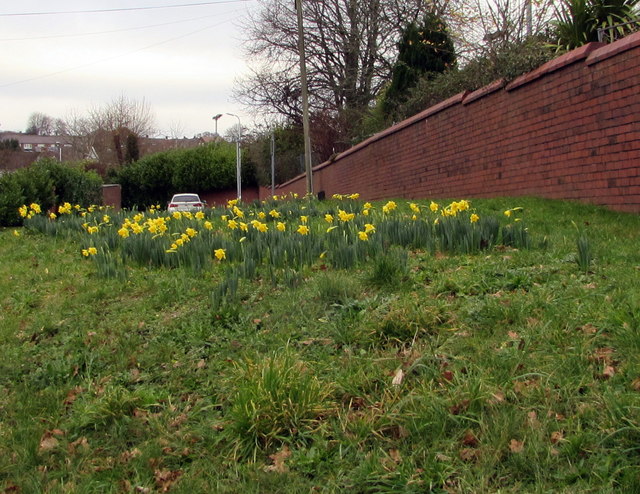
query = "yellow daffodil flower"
x=474 y=218
x=303 y=230
x=363 y=236
x=281 y=226
x=220 y=254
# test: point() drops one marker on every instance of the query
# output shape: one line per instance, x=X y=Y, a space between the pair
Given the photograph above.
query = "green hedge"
x=47 y=183
x=155 y=178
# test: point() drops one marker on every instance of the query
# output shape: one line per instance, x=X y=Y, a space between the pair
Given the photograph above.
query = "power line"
x=107 y=59
x=127 y=9
x=75 y=35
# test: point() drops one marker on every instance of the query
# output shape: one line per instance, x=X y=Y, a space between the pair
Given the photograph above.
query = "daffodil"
x=354 y=196
x=304 y=219
x=363 y=236
x=200 y=215
x=35 y=208
x=176 y=215
x=434 y=206
x=274 y=214
x=191 y=232
x=261 y=227
x=208 y=225
x=220 y=254
x=474 y=218
x=303 y=230
x=507 y=213
x=369 y=228
x=281 y=226
x=328 y=218
x=262 y=215
x=233 y=224
x=344 y=216
x=106 y=218
x=52 y=215
x=123 y=232
x=414 y=207
x=23 y=210
x=16 y=233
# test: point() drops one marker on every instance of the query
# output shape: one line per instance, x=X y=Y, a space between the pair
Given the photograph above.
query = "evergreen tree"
x=425 y=48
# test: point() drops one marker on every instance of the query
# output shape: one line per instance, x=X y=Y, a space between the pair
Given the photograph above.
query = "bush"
x=47 y=183
x=507 y=63
x=155 y=178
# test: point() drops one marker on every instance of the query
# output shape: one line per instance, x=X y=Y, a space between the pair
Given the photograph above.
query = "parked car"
x=185 y=202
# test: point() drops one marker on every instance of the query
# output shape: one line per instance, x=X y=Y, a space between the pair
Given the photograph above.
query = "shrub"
x=155 y=178
x=46 y=183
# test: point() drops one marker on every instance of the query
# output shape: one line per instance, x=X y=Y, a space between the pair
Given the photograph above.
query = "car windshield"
x=186 y=198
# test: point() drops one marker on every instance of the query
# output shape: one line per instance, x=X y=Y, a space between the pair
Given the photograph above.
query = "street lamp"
x=238 y=157
x=59 y=146
x=216 y=118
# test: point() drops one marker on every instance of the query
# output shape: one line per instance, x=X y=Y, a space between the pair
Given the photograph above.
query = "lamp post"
x=216 y=118
x=59 y=146
x=238 y=157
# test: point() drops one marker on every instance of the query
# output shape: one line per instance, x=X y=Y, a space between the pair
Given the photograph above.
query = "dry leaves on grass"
x=166 y=478
x=279 y=461
x=49 y=440
x=516 y=446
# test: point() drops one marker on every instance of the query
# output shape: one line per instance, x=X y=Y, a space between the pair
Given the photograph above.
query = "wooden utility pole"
x=305 y=101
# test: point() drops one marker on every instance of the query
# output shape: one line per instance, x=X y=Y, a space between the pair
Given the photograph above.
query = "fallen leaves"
x=166 y=478
x=49 y=440
x=279 y=461
x=516 y=446
x=397 y=378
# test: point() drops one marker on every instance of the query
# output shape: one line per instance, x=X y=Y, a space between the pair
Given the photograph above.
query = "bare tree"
x=40 y=124
x=501 y=22
x=104 y=133
x=123 y=113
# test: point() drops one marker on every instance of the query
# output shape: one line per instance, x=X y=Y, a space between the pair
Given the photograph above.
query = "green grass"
x=500 y=370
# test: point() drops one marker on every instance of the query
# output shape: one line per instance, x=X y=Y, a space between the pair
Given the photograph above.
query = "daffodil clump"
x=283 y=233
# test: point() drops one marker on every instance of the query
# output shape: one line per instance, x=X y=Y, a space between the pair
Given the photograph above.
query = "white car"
x=185 y=202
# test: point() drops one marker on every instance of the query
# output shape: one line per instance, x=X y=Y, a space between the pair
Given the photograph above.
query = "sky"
x=182 y=60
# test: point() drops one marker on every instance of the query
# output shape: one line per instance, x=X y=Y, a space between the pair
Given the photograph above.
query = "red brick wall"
x=568 y=130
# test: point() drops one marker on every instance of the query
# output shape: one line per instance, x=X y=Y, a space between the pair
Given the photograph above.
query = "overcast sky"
x=181 y=60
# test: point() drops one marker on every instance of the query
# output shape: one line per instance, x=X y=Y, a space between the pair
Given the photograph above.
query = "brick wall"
x=568 y=130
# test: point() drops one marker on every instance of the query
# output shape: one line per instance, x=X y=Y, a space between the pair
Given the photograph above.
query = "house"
x=55 y=146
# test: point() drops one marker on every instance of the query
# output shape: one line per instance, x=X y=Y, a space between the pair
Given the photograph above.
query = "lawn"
x=323 y=360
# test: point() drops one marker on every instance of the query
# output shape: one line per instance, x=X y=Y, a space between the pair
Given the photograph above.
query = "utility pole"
x=238 y=158
x=305 y=101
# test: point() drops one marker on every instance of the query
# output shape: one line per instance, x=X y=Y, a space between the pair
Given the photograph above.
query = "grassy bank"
x=414 y=370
